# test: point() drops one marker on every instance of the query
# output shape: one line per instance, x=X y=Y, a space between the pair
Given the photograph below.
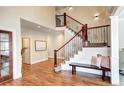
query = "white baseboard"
x=17 y=76
x=38 y=61
x=58 y=57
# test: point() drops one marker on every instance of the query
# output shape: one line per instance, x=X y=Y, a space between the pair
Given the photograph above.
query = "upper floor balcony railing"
x=94 y=36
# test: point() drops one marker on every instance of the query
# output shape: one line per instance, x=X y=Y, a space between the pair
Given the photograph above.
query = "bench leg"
x=103 y=74
x=73 y=69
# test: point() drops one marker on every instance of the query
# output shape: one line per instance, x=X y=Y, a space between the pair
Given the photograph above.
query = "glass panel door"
x=5 y=55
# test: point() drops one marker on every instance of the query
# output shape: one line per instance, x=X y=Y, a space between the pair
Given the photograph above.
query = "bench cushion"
x=105 y=62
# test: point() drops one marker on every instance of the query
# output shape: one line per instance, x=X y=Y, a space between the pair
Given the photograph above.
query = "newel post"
x=86 y=36
x=83 y=37
x=65 y=19
x=55 y=58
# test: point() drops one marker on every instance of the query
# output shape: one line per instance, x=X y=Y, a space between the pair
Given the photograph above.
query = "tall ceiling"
x=109 y=8
x=59 y=7
x=33 y=26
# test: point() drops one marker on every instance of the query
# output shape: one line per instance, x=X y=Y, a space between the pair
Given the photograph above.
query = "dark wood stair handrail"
x=65 y=15
x=83 y=36
x=98 y=26
x=74 y=20
x=68 y=41
x=55 y=51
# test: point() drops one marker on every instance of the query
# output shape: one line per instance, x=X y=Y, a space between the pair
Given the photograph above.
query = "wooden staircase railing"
x=98 y=36
x=95 y=36
x=69 y=48
x=68 y=21
x=82 y=35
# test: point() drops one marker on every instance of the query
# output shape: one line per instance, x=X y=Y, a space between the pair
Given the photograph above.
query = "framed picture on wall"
x=40 y=45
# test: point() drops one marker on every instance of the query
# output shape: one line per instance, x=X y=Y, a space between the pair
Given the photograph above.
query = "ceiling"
x=109 y=8
x=59 y=7
x=37 y=27
x=112 y=9
x=33 y=26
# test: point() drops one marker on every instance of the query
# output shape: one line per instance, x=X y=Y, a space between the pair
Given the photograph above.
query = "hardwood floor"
x=42 y=74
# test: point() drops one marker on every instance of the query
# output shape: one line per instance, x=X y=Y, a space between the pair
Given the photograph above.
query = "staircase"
x=82 y=37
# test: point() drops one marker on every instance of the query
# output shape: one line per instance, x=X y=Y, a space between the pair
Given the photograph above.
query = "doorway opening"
x=25 y=50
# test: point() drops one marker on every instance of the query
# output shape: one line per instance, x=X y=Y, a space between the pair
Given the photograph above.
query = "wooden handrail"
x=82 y=31
x=81 y=23
x=71 y=29
x=83 y=35
x=98 y=26
x=78 y=33
x=74 y=20
x=65 y=15
x=83 y=28
x=69 y=40
x=70 y=18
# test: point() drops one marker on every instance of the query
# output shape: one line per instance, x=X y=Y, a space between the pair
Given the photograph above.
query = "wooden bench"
x=103 y=69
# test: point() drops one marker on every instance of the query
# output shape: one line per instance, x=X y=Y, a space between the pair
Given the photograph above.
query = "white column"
x=114 y=50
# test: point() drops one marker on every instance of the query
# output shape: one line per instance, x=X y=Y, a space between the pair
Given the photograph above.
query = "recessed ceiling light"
x=38 y=26
x=96 y=16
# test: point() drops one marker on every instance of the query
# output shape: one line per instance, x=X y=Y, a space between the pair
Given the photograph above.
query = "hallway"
x=42 y=74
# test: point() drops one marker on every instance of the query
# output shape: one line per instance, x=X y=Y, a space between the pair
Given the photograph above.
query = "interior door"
x=6 y=66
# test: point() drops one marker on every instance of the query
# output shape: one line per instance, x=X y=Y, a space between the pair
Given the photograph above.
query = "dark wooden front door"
x=6 y=62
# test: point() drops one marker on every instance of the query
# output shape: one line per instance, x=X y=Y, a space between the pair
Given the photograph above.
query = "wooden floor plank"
x=42 y=74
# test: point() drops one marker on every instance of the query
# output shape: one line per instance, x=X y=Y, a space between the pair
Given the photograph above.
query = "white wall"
x=85 y=56
x=121 y=33
x=36 y=56
x=40 y=15
x=55 y=41
x=10 y=19
x=85 y=14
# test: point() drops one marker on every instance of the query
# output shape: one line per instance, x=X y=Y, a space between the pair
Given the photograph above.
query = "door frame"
x=16 y=60
x=10 y=76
